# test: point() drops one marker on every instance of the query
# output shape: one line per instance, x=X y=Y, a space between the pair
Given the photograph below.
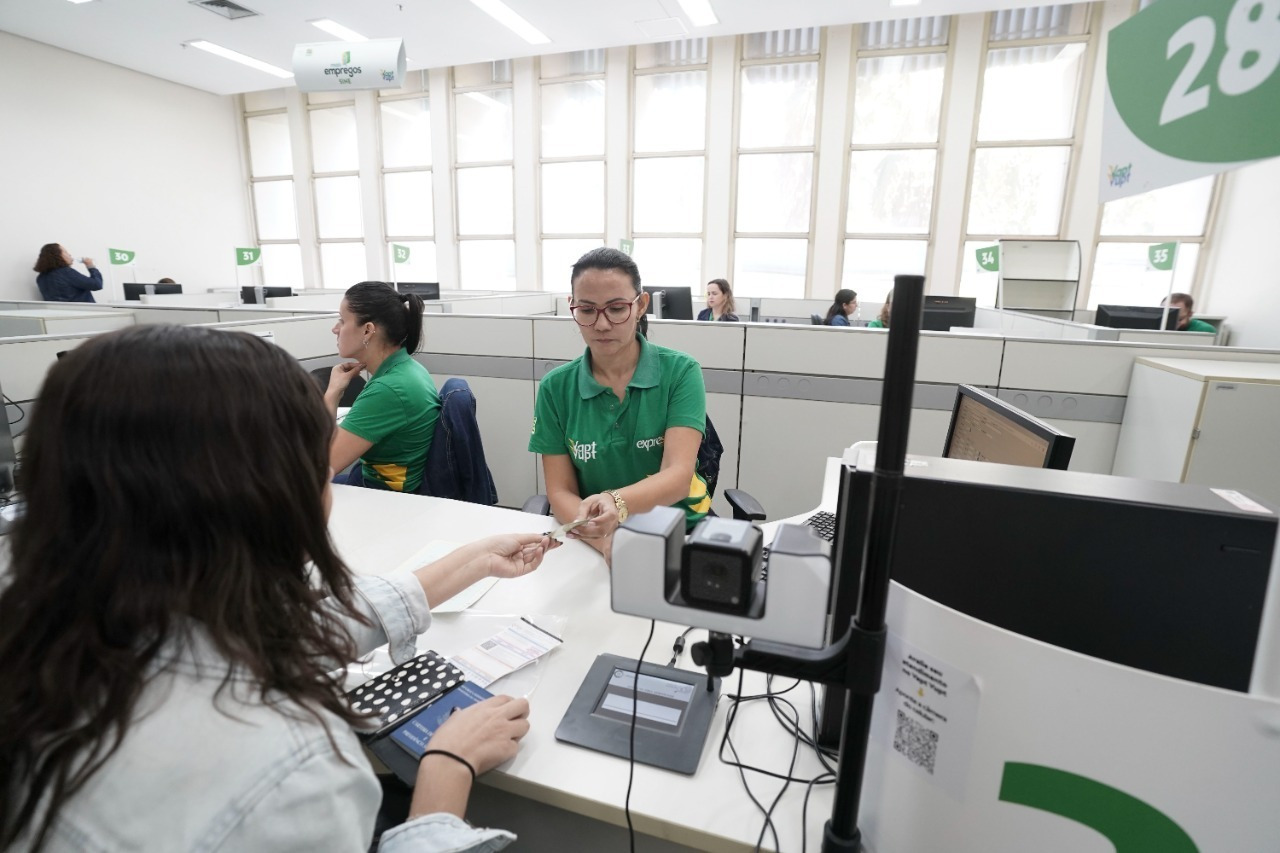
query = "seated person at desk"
x=170 y=623
x=58 y=282
x=1186 y=320
x=619 y=426
x=882 y=319
x=719 y=302
x=389 y=428
x=842 y=309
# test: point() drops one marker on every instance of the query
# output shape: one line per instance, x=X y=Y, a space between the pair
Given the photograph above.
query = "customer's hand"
x=341 y=375
x=485 y=734
x=601 y=513
x=511 y=555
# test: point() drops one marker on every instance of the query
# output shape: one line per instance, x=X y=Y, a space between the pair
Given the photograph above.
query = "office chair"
x=745 y=506
x=456 y=468
x=321 y=376
x=816 y=319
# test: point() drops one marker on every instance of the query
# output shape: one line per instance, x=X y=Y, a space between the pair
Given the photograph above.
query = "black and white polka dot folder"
x=400 y=693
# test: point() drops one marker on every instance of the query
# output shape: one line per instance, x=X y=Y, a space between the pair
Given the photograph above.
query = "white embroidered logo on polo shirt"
x=582 y=451
x=649 y=443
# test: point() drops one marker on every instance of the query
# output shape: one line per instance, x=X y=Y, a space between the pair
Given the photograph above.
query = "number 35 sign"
x=1193 y=88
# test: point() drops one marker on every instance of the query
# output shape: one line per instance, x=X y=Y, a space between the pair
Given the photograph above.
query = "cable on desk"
x=677 y=648
x=21 y=412
x=631 y=753
x=730 y=715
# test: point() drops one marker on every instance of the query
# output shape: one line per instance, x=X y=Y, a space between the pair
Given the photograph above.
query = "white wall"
x=1242 y=275
x=96 y=156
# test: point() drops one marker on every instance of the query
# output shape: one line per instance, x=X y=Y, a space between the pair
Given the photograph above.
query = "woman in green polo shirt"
x=390 y=425
x=619 y=426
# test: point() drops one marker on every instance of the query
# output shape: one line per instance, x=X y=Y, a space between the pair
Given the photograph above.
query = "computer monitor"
x=134 y=290
x=8 y=455
x=424 y=289
x=249 y=295
x=985 y=428
x=943 y=312
x=677 y=302
x=1135 y=317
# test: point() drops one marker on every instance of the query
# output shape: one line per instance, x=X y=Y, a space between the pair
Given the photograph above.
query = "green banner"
x=988 y=258
x=627 y=246
x=121 y=256
x=1192 y=89
x=400 y=253
x=246 y=257
x=1161 y=256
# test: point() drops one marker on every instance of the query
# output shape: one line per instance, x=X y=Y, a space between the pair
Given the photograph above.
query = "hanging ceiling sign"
x=332 y=66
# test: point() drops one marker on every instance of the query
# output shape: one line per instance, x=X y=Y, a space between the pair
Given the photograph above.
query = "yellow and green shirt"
x=397 y=411
x=613 y=444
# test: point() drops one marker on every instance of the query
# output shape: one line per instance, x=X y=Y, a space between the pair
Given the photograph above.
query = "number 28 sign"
x=1193 y=88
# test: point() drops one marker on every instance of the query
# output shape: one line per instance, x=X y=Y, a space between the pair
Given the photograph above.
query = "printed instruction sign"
x=929 y=713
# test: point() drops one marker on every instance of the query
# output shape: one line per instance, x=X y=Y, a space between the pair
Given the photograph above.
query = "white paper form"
x=434 y=550
x=512 y=648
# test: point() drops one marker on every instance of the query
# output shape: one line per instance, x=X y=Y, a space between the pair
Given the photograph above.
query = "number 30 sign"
x=1193 y=88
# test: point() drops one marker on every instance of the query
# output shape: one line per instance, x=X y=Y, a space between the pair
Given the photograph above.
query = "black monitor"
x=943 y=312
x=677 y=302
x=1135 y=317
x=249 y=295
x=425 y=289
x=133 y=291
x=8 y=454
x=985 y=428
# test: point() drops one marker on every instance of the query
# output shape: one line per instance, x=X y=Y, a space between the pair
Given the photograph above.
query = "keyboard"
x=824 y=523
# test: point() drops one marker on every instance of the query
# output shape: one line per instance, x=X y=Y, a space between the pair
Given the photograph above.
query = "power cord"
x=631 y=752
x=677 y=648
x=21 y=412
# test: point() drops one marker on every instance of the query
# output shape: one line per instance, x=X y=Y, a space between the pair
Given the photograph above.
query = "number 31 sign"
x=1193 y=88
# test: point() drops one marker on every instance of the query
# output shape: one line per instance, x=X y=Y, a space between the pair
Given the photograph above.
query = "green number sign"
x=627 y=246
x=1197 y=80
x=245 y=257
x=401 y=253
x=1161 y=256
x=121 y=256
x=989 y=258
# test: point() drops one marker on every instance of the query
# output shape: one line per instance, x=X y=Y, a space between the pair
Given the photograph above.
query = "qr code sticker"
x=917 y=743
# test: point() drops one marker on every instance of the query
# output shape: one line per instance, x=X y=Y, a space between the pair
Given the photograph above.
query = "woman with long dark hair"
x=392 y=421
x=58 y=282
x=720 y=307
x=846 y=302
x=174 y=610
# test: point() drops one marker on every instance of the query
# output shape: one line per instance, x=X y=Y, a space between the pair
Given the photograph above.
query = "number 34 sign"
x=1193 y=88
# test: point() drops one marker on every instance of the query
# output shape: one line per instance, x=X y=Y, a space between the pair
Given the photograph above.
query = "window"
x=893 y=157
x=572 y=151
x=271 y=187
x=669 y=159
x=484 y=175
x=1031 y=81
x=407 y=195
x=778 y=98
x=335 y=181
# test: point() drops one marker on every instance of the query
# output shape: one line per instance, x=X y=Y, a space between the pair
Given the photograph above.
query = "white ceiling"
x=148 y=35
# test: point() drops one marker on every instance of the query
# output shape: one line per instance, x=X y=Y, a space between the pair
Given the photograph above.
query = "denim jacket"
x=205 y=769
x=456 y=467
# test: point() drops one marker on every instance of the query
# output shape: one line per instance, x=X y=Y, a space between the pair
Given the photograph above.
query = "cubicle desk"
x=375 y=531
x=21 y=322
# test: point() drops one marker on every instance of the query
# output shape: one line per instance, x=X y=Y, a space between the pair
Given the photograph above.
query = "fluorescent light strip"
x=77 y=2
x=904 y=2
x=699 y=12
x=503 y=14
x=227 y=53
x=336 y=30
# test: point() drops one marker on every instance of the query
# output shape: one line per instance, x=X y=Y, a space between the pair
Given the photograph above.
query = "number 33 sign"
x=1193 y=88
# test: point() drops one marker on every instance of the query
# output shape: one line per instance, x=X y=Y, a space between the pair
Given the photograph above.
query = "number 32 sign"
x=1193 y=88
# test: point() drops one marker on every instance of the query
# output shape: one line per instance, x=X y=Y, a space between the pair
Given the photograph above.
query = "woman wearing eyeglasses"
x=619 y=426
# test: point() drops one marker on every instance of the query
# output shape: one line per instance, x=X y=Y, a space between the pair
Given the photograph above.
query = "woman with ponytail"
x=389 y=428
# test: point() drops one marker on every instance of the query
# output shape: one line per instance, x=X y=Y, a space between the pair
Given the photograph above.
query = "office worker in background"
x=1186 y=320
x=719 y=302
x=842 y=308
x=619 y=426
x=166 y=281
x=58 y=282
x=391 y=423
x=882 y=319
x=166 y=653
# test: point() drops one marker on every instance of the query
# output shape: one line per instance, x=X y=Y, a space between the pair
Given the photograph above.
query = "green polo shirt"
x=614 y=444
x=397 y=411
x=1194 y=325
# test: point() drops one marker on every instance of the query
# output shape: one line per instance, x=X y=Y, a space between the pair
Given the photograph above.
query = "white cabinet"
x=1039 y=277
x=1216 y=423
x=61 y=321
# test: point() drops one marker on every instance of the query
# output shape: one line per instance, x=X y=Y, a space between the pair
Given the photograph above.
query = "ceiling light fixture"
x=77 y=2
x=699 y=12
x=904 y=2
x=336 y=30
x=503 y=14
x=228 y=53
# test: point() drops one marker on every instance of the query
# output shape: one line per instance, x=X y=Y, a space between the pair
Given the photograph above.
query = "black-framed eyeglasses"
x=614 y=312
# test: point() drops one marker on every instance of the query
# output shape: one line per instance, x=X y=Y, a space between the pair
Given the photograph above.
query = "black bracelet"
x=457 y=758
